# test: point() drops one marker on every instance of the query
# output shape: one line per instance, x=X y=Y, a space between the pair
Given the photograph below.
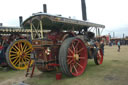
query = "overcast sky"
x=112 y=13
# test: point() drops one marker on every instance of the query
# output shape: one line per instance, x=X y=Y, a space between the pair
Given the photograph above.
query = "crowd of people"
x=118 y=43
x=122 y=42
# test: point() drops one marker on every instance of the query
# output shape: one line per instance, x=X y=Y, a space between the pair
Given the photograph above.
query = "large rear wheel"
x=73 y=56
x=18 y=54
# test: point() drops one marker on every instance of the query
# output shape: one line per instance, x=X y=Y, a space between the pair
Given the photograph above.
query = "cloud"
x=112 y=13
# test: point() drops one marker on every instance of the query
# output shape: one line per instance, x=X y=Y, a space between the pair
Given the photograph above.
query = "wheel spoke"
x=25 y=48
x=70 y=61
x=26 y=61
x=23 y=62
x=12 y=58
x=14 y=49
x=80 y=50
x=28 y=52
x=20 y=63
x=15 y=60
x=13 y=52
x=98 y=57
x=27 y=58
x=19 y=45
x=75 y=69
x=18 y=60
x=77 y=44
x=69 y=56
x=79 y=65
x=73 y=48
x=71 y=68
x=71 y=51
x=17 y=48
x=99 y=54
x=28 y=49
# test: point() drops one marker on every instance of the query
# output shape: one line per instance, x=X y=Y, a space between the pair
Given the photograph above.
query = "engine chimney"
x=1 y=24
x=44 y=8
x=83 y=5
x=20 y=20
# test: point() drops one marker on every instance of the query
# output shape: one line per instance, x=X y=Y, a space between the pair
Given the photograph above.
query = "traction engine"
x=62 y=43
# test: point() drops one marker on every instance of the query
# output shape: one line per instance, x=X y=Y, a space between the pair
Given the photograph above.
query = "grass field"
x=113 y=71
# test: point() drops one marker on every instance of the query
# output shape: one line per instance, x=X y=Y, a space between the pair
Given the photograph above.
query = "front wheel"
x=73 y=57
x=98 y=57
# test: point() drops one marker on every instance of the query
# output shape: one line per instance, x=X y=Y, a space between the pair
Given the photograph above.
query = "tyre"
x=73 y=56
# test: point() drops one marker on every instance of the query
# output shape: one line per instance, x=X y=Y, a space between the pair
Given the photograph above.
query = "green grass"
x=113 y=71
x=9 y=73
x=92 y=72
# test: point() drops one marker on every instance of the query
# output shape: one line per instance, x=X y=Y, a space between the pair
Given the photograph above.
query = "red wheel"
x=98 y=58
x=73 y=57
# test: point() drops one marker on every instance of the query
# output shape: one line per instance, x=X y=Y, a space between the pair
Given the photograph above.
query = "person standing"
x=118 y=43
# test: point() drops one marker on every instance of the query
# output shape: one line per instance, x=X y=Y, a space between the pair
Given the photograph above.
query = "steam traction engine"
x=62 y=42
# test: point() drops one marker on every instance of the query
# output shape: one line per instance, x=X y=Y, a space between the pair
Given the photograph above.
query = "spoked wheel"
x=98 y=58
x=73 y=57
x=18 y=54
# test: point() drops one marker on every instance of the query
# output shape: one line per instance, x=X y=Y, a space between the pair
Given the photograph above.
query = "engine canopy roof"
x=53 y=22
